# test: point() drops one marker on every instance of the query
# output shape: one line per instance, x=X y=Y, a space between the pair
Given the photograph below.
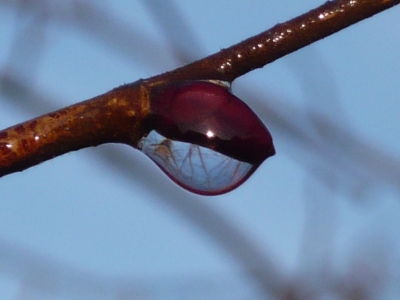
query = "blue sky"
x=327 y=203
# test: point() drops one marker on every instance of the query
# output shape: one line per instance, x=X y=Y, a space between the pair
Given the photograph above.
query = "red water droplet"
x=200 y=121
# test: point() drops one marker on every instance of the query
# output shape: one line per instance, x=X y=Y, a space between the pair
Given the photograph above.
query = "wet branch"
x=280 y=40
x=115 y=117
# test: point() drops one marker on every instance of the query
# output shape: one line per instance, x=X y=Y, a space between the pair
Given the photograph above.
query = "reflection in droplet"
x=203 y=137
x=198 y=169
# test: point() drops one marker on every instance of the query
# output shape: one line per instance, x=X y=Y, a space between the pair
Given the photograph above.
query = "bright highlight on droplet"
x=203 y=137
x=210 y=134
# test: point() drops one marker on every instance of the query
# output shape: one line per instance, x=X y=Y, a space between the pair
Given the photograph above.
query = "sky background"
x=320 y=217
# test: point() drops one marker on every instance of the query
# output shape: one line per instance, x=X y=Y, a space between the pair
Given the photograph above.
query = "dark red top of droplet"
x=208 y=115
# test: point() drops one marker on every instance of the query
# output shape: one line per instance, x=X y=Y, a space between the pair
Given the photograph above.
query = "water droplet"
x=203 y=137
x=198 y=169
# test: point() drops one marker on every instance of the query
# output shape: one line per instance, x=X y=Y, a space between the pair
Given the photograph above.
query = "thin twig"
x=280 y=40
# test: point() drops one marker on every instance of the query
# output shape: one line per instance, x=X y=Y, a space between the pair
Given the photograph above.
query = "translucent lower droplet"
x=203 y=137
x=198 y=169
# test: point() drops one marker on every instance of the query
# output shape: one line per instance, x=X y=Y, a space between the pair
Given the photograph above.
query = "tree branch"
x=109 y=118
x=280 y=40
x=116 y=116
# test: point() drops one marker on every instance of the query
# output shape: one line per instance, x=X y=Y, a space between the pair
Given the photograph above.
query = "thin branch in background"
x=99 y=25
x=103 y=26
x=177 y=32
x=43 y=276
x=319 y=87
x=343 y=152
x=27 y=48
x=316 y=254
